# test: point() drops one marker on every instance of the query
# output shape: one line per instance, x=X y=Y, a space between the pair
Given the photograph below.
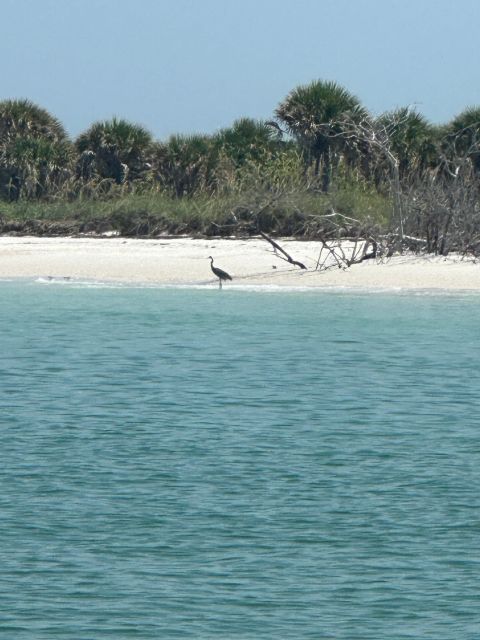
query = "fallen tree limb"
x=277 y=247
x=337 y=255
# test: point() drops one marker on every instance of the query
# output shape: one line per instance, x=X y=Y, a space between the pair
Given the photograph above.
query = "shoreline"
x=251 y=262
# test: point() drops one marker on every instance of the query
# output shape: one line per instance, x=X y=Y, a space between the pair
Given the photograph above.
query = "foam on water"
x=252 y=288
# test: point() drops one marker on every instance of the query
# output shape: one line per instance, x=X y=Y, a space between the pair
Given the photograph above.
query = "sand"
x=251 y=262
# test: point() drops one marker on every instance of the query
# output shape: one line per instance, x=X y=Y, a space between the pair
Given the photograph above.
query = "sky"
x=191 y=66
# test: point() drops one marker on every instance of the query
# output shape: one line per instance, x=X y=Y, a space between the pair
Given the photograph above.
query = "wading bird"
x=220 y=273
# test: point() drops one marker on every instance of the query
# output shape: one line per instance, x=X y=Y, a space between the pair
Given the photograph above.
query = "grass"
x=297 y=211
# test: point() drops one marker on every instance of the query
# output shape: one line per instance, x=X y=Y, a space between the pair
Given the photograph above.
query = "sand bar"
x=251 y=262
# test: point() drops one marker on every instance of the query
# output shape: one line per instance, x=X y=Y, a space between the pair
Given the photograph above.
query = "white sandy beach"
x=251 y=262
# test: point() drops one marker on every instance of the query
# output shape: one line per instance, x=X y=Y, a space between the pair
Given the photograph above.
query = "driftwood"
x=285 y=256
x=337 y=256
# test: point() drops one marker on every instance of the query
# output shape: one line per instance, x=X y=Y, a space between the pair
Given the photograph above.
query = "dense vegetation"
x=321 y=167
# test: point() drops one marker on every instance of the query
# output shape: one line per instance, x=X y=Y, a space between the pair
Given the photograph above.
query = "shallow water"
x=204 y=464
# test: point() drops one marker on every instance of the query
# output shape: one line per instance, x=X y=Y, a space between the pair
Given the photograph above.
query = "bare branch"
x=277 y=247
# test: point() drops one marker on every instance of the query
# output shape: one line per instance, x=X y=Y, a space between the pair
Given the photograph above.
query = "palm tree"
x=411 y=139
x=464 y=131
x=186 y=164
x=119 y=149
x=35 y=152
x=319 y=115
x=247 y=139
x=23 y=117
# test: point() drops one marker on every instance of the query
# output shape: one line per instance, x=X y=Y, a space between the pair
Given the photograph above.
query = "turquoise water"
x=205 y=464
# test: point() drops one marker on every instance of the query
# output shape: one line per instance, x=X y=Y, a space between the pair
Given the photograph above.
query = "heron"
x=220 y=273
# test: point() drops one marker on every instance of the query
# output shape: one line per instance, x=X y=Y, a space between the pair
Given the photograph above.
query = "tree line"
x=320 y=142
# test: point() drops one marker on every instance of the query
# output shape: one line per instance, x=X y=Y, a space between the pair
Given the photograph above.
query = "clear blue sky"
x=196 y=65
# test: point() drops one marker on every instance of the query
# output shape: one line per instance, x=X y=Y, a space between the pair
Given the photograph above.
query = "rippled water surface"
x=205 y=464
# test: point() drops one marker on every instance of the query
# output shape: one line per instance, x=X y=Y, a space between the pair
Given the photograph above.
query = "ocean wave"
x=65 y=281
